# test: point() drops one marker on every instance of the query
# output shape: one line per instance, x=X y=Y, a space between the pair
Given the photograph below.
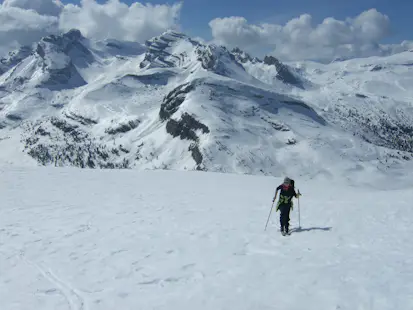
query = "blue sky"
x=259 y=27
x=196 y=14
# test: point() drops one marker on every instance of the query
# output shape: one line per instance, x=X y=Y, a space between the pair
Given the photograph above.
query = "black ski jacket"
x=287 y=192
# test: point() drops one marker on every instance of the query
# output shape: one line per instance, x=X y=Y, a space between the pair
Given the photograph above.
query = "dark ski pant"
x=284 y=216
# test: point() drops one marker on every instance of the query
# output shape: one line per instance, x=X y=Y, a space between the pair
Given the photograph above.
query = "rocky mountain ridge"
x=174 y=103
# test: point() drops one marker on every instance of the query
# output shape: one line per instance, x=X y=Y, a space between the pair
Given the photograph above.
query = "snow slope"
x=135 y=239
x=104 y=239
x=174 y=103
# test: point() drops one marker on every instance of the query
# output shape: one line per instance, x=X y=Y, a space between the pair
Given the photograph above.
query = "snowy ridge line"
x=174 y=103
x=73 y=298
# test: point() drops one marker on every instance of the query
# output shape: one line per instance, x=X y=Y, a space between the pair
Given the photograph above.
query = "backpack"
x=285 y=199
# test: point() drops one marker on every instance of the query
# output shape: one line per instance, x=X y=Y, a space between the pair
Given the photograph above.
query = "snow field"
x=92 y=239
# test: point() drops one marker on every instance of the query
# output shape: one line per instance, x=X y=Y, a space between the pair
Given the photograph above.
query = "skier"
x=285 y=204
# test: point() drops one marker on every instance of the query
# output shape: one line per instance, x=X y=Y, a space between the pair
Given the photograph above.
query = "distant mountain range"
x=174 y=103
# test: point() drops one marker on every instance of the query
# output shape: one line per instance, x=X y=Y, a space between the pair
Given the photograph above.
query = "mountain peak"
x=241 y=55
x=167 y=37
x=14 y=57
x=271 y=60
x=64 y=40
x=170 y=49
x=74 y=34
x=49 y=64
x=71 y=35
x=218 y=59
x=176 y=103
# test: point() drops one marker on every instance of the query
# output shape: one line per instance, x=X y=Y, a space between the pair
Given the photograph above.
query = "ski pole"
x=269 y=215
x=299 y=217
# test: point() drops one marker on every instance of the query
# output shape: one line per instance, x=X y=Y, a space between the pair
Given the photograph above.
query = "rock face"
x=217 y=59
x=284 y=73
x=175 y=103
x=49 y=65
x=160 y=53
x=123 y=128
x=71 y=44
x=14 y=58
x=174 y=99
x=380 y=129
x=57 y=142
x=187 y=126
x=54 y=59
x=243 y=57
x=165 y=51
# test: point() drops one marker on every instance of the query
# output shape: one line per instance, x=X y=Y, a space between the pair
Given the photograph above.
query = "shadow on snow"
x=300 y=229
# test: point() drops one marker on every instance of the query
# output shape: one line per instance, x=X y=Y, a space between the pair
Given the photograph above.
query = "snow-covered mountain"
x=174 y=103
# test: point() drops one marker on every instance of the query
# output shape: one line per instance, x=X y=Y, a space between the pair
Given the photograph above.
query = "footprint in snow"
x=123 y=295
x=188 y=266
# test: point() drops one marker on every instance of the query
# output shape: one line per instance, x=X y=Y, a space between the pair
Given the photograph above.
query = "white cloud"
x=23 y=22
x=43 y=7
x=115 y=19
x=300 y=39
x=23 y=27
x=236 y=31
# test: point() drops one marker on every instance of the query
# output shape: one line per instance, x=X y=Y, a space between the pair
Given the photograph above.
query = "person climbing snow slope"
x=285 y=204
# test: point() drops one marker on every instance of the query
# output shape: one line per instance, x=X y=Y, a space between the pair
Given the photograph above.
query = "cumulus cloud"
x=23 y=22
x=43 y=7
x=300 y=39
x=22 y=27
x=236 y=31
x=115 y=19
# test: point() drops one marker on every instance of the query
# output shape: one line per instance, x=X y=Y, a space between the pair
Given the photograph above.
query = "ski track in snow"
x=101 y=240
x=74 y=300
x=90 y=239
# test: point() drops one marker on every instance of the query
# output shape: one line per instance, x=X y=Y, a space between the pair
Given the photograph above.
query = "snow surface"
x=105 y=239
x=136 y=239
x=376 y=77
